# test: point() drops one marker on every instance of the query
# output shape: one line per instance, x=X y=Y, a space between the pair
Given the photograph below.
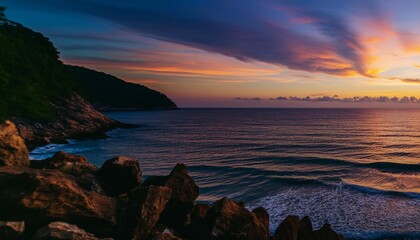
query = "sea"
x=358 y=169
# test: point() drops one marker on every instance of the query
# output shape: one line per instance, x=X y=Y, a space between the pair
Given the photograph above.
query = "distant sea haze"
x=357 y=168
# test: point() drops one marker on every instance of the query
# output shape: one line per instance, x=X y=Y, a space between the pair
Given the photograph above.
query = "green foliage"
x=31 y=75
x=108 y=92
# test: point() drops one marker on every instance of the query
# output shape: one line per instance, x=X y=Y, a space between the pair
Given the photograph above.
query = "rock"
x=11 y=230
x=199 y=212
x=13 y=151
x=75 y=165
x=41 y=196
x=227 y=219
x=62 y=231
x=294 y=229
x=120 y=175
x=184 y=193
x=288 y=229
x=140 y=211
x=263 y=220
x=165 y=236
x=326 y=233
x=75 y=118
x=67 y=163
x=305 y=229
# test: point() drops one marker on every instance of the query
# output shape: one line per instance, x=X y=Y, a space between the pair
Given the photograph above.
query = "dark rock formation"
x=294 y=229
x=263 y=220
x=184 y=193
x=13 y=151
x=227 y=219
x=120 y=175
x=199 y=212
x=11 y=230
x=165 y=236
x=77 y=166
x=41 y=196
x=288 y=229
x=75 y=118
x=62 y=231
x=140 y=211
x=67 y=163
x=326 y=233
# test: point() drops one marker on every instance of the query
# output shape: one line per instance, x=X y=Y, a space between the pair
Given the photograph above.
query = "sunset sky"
x=241 y=53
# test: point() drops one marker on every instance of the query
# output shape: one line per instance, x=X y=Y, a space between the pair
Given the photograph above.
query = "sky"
x=236 y=53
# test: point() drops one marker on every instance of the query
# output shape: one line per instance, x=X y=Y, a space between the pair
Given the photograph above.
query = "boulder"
x=120 y=175
x=75 y=165
x=294 y=229
x=305 y=229
x=62 y=231
x=165 y=236
x=11 y=230
x=227 y=219
x=263 y=220
x=288 y=229
x=199 y=212
x=184 y=193
x=140 y=211
x=41 y=196
x=67 y=163
x=13 y=151
x=326 y=233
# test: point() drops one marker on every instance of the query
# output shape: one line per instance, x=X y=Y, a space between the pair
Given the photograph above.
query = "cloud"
x=239 y=30
x=248 y=99
x=356 y=99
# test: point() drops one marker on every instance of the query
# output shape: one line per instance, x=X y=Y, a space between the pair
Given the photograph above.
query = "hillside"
x=107 y=92
x=31 y=74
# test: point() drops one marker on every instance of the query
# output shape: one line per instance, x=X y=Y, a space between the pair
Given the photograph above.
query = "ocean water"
x=358 y=169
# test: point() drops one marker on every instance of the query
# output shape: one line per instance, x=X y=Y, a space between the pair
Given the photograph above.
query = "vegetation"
x=107 y=92
x=32 y=77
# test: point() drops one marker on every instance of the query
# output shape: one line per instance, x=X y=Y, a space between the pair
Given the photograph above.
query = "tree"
x=2 y=14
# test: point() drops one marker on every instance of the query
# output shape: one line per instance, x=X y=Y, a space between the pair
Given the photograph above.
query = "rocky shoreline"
x=75 y=118
x=66 y=197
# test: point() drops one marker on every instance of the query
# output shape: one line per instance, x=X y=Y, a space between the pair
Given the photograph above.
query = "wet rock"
x=120 y=175
x=305 y=229
x=41 y=196
x=62 y=231
x=140 y=211
x=13 y=151
x=294 y=229
x=288 y=229
x=11 y=230
x=326 y=233
x=184 y=193
x=263 y=220
x=227 y=219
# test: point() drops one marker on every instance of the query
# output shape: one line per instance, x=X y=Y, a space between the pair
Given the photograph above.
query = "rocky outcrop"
x=41 y=196
x=140 y=212
x=184 y=193
x=13 y=151
x=10 y=230
x=294 y=229
x=56 y=198
x=120 y=175
x=326 y=232
x=75 y=118
x=227 y=219
x=62 y=231
x=77 y=166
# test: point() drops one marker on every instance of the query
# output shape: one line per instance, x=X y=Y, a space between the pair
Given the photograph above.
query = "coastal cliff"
x=66 y=197
x=47 y=99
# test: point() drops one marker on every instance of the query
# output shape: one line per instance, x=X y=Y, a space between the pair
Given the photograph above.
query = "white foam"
x=354 y=214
